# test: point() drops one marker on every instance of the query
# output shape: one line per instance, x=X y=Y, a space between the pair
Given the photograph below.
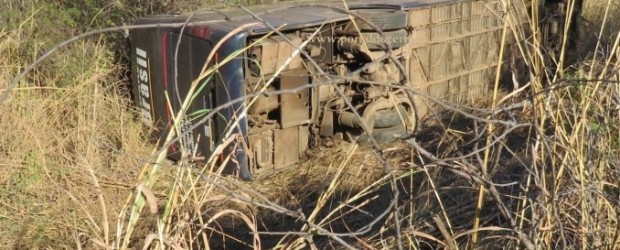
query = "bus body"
x=259 y=88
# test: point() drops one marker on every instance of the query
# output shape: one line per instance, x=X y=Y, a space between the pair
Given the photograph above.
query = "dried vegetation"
x=533 y=167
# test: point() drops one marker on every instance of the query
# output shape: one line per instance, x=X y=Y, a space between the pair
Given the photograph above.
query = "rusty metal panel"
x=290 y=144
x=274 y=52
x=294 y=107
x=304 y=140
x=262 y=149
x=285 y=144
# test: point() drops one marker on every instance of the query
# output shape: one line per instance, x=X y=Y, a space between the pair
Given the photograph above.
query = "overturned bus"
x=253 y=89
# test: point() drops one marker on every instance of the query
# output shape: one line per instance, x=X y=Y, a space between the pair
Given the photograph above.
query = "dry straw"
x=534 y=167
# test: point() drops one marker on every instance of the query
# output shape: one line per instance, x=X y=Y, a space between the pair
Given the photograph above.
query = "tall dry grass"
x=578 y=143
x=534 y=167
x=69 y=146
x=596 y=20
x=542 y=177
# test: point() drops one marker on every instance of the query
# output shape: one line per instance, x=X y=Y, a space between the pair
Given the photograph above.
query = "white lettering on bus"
x=143 y=86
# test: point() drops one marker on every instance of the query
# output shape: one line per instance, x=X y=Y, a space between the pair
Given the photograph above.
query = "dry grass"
x=76 y=170
x=593 y=23
x=69 y=146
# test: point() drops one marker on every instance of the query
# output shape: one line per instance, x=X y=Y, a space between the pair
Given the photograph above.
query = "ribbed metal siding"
x=456 y=49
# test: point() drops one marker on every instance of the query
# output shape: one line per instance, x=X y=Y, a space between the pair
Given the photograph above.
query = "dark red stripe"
x=203 y=32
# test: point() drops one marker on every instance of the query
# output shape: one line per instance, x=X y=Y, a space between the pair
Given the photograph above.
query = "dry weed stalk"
x=538 y=173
